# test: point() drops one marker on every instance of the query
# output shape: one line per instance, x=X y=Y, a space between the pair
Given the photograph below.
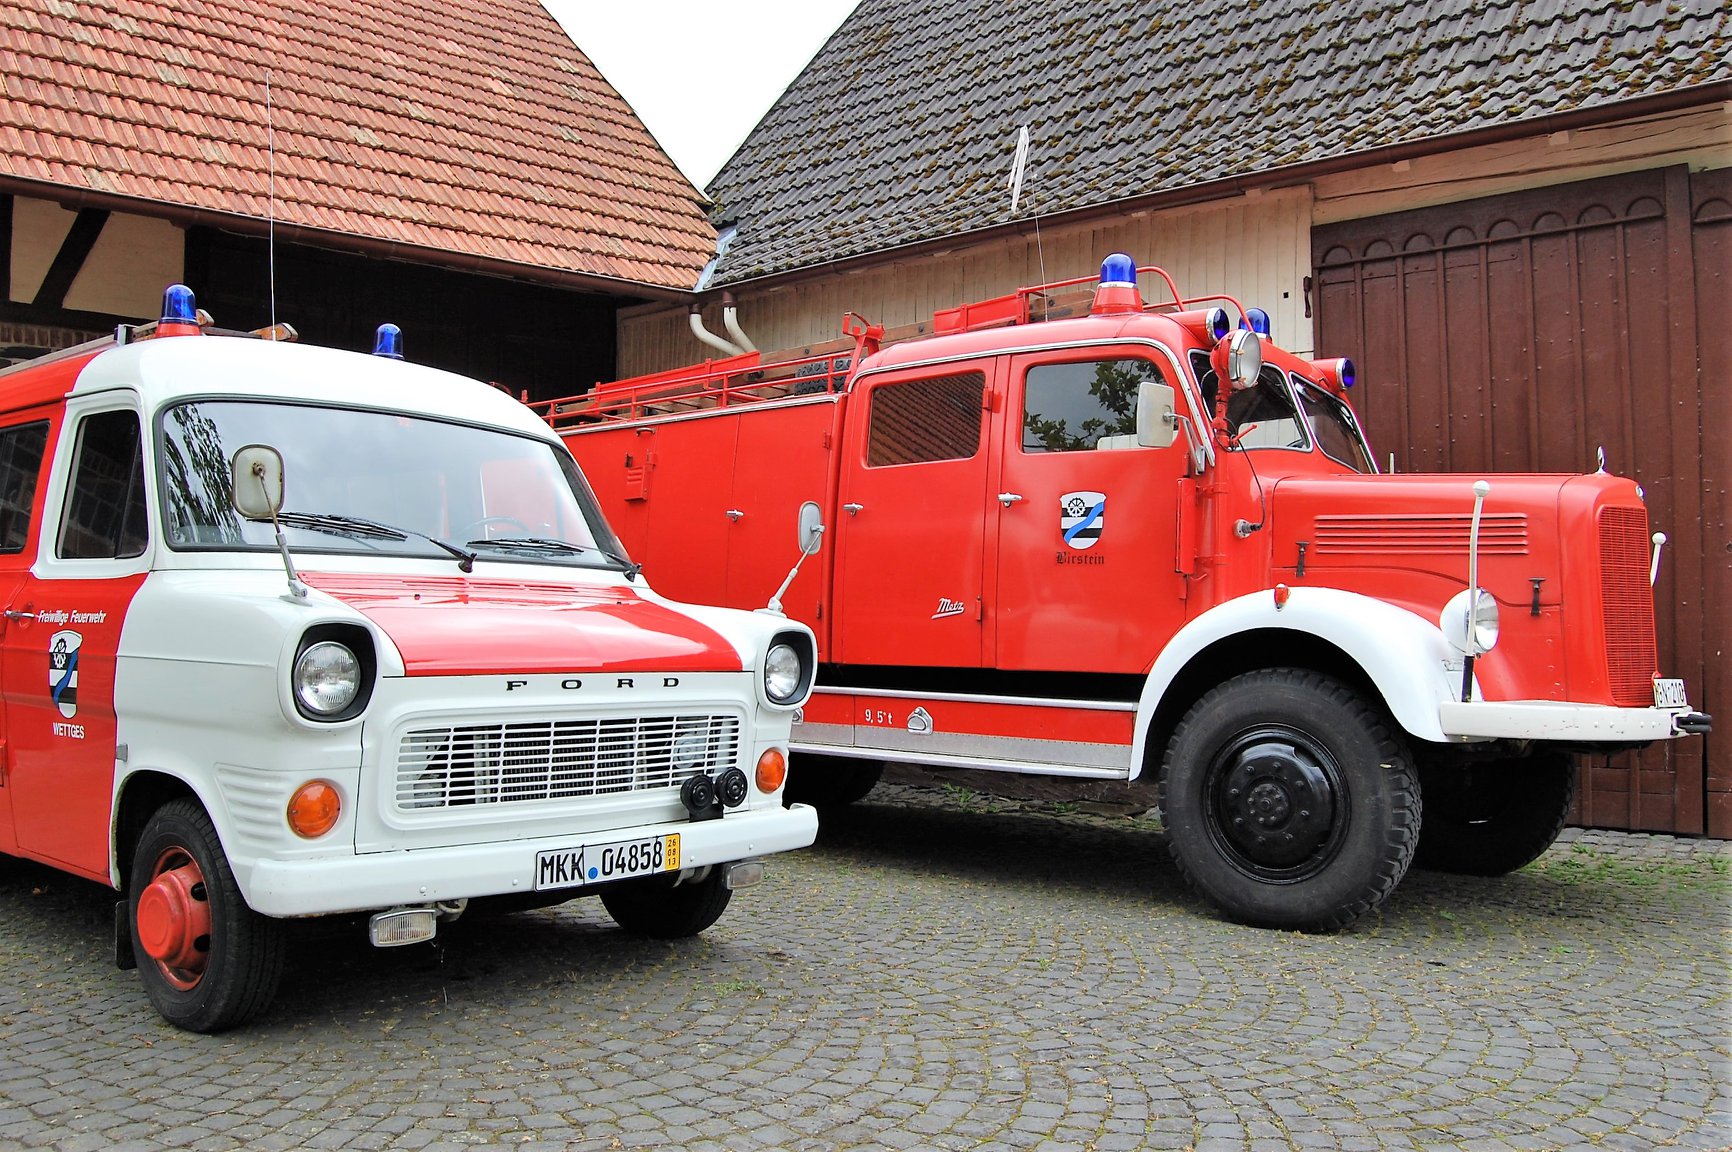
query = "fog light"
x=403 y=926
x=772 y=770
x=732 y=787
x=314 y=809
x=743 y=874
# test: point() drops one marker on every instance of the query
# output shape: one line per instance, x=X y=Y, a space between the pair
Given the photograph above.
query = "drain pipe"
x=697 y=322
x=731 y=322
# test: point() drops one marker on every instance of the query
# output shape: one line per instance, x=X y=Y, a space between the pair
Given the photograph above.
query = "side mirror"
x=1157 y=421
x=1238 y=358
x=256 y=481
x=811 y=528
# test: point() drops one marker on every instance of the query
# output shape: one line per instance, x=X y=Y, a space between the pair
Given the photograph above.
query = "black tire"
x=653 y=906
x=1494 y=816
x=830 y=781
x=1289 y=801
x=218 y=978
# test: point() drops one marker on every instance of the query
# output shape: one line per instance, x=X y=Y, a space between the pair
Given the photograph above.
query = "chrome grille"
x=538 y=760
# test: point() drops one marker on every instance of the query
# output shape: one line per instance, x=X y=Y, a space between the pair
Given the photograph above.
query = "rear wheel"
x=1492 y=817
x=830 y=781
x=1288 y=801
x=208 y=961
x=654 y=906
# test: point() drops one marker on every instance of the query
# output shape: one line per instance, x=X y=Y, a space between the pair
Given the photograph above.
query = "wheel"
x=1492 y=817
x=830 y=781
x=208 y=961
x=1289 y=801
x=478 y=530
x=653 y=906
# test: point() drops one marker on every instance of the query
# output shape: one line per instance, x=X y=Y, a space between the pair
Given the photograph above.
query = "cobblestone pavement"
x=941 y=971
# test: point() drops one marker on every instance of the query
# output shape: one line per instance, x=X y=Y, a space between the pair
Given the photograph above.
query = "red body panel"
x=462 y=627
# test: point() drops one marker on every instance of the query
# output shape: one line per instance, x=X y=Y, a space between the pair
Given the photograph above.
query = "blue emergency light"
x=1118 y=268
x=1256 y=320
x=178 y=305
x=388 y=341
x=1219 y=323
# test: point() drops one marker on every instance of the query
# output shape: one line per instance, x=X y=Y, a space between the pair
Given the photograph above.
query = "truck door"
x=24 y=438
x=1086 y=521
x=62 y=636
x=911 y=520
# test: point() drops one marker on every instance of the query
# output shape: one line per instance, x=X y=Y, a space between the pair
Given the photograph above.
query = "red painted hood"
x=456 y=626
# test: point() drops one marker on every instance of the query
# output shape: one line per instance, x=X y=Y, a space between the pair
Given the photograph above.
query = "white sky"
x=700 y=75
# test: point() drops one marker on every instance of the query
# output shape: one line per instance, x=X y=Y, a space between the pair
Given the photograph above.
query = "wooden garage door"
x=1525 y=332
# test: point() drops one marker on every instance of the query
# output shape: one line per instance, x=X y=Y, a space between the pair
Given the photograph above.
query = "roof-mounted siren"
x=1338 y=375
x=1118 y=290
x=388 y=342
x=1257 y=321
x=180 y=314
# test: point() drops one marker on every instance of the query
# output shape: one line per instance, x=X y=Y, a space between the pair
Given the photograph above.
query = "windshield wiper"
x=360 y=528
x=548 y=544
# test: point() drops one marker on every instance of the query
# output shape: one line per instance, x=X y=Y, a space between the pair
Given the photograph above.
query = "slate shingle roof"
x=904 y=125
x=451 y=125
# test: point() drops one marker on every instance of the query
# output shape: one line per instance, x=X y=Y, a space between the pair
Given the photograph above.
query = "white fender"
x=1403 y=654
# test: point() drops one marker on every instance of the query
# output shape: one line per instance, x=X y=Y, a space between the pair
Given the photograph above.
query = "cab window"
x=925 y=420
x=104 y=515
x=1082 y=406
x=21 y=451
x=1264 y=414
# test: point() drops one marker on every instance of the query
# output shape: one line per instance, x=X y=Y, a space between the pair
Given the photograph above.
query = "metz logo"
x=949 y=607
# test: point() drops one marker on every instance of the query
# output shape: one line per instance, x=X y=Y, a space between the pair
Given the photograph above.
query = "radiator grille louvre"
x=1500 y=533
x=539 y=760
x=1628 y=602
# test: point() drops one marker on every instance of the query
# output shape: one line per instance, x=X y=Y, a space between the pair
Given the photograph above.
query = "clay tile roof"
x=904 y=125
x=442 y=125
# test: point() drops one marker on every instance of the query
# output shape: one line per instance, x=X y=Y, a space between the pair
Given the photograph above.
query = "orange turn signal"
x=772 y=770
x=314 y=808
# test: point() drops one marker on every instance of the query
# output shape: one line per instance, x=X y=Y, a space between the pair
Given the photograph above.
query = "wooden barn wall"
x=1522 y=333
x=1256 y=248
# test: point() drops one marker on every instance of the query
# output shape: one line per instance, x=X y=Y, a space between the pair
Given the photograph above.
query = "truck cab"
x=292 y=632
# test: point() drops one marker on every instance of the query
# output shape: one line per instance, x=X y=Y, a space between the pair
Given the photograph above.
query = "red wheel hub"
x=174 y=920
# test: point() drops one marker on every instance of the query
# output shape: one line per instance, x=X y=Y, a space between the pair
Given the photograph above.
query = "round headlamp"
x=1470 y=621
x=783 y=674
x=327 y=678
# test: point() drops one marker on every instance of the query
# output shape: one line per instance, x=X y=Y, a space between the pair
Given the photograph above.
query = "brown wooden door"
x=1524 y=332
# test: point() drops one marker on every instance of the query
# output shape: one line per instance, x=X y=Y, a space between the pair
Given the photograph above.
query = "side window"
x=104 y=515
x=926 y=420
x=20 y=464
x=1084 y=406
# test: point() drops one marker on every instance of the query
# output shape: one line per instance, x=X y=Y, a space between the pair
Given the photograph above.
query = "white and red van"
x=289 y=631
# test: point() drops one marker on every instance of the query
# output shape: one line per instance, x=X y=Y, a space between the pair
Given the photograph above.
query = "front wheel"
x=208 y=961
x=1492 y=817
x=1289 y=801
x=656 y=907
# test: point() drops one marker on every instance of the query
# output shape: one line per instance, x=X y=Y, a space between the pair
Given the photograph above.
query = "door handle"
x=15 y=614
x=1009 y=498
x=852 y=508
x=734 y=514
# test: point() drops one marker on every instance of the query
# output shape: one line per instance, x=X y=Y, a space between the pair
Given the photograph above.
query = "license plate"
x=1669 y=694
x=599 y=863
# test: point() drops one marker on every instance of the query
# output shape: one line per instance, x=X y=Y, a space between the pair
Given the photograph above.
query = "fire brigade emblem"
x=63 y=671
x=1082 y=516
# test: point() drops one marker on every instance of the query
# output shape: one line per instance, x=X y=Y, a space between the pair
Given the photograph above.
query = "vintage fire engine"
x=291 y=631
x=1139 y=540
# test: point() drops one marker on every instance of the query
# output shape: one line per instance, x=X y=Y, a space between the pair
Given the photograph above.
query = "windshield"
x=349 y=473
x=1336 y=430
x=1263 y=415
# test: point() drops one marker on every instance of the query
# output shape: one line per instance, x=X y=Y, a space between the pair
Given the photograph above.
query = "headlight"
x=327 y=678
x=784 y=677
x=1471 y=627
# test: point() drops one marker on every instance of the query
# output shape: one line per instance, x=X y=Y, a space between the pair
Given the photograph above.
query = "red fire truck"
x=290 y=631
x=1072 y=533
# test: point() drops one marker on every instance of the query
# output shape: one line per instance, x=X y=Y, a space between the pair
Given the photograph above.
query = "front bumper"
x=376 y=880
x=1564 y=723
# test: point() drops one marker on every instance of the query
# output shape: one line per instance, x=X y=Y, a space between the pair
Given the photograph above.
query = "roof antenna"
x=271 y=225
